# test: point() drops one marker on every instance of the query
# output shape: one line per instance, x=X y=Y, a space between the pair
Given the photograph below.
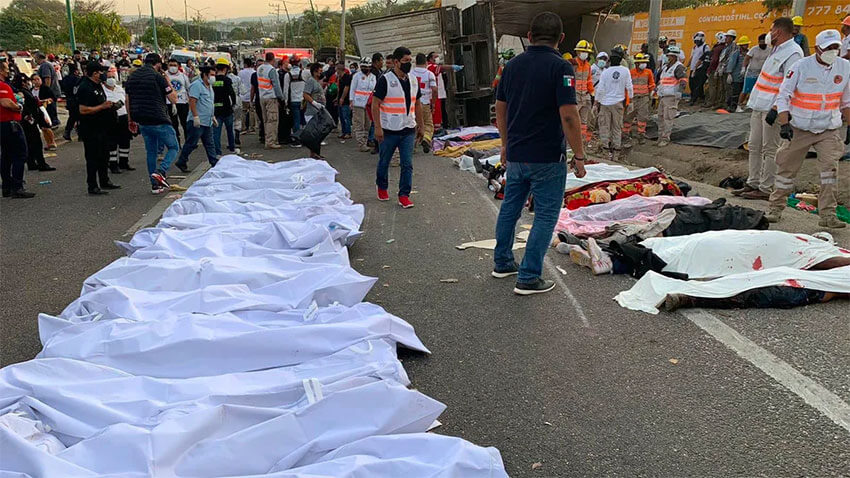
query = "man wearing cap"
x=97 y=118
x=723 y=86
x=735 y=72
x=799 y=38
x=643 y=84
x=671 y=84
x=700 y=58
x=845 y=41
x=147 y=89
x=752 y=65
x=764 y=132
x=813 y=105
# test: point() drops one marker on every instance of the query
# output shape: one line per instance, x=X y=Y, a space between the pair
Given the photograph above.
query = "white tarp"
x=304 y=170
x=720 y=253
x=651 y=290
x=605 y=172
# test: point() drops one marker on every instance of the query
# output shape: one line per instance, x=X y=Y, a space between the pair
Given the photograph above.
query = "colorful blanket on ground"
x=595 y=220
x=459 y=149
x=465 y=135
x=651 y=184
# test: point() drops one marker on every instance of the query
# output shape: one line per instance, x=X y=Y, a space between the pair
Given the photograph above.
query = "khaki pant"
x=427 y=123
x=361 y=124
x=668 y=107
x=270 y=118
x=763 y=143
x=716 y=91
x=248 y=107
x=584 y=106
x=610 y=125
x=638 y=114
x=829 y=146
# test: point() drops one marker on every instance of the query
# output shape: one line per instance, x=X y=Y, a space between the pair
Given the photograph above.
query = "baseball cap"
x=828 y=38
x=93 y=66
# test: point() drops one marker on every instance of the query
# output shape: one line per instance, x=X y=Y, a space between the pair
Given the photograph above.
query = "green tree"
x=238 y=33
x=166 y=36
x=97 y=29
x=22 y=33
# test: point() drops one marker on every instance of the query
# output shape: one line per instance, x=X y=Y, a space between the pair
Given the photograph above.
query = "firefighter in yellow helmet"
x=584 y=85
x=799 y=37
x=643 y=84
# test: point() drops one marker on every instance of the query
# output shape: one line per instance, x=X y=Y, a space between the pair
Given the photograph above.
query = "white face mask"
x=600 y=63
x=111 y=82
x=583 y=55
x=829 y=56
x=641 y=66
x=172 y=69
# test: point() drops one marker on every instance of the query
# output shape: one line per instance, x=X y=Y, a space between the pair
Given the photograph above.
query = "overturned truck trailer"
x=466 y=32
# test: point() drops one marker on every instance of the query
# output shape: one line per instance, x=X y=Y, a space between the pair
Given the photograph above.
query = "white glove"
x=197 y=121
x=317 y=105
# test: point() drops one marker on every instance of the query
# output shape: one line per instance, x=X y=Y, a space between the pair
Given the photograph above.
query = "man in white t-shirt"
x=752 y=67
x=179 y=111
x=428 y=87
x=615 y=85
x=245 y=74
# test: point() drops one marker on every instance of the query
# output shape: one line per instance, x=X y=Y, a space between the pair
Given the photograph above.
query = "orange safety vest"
x=643 y=81
x=584 y=80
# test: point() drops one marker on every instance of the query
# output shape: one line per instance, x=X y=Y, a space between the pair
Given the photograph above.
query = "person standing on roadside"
x=202 y=120
x=69 y=82
x=614 y=91
x=180 y=84
x=13 y=144
x=752 y=66
x=342 y=100
x=119 y=134
x=293 y=91
x=97 y=118
x=700 y=59
x=535 y=111
x=714 y=81
x=224 y=98
x=249 y=119
x=268 y=86
x=31 y=118
x=428 y=87
x=47 y=73
x=399 y=126
x=46 y=98
x=362 y=86
x=671 y=84
x=147 y=89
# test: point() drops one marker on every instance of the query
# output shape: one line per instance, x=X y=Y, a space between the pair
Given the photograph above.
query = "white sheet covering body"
x=720 y=253
x=650 y=291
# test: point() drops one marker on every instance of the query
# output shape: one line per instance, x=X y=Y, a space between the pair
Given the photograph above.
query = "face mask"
x=102 y=77
x=600 y=63
x=111 y=82
x=172 y=70
x=829 y=56
x=405 y=67
x=365 y=71
x=96 y=57
x=641 y=66
x=583 y=55
x=698 y=42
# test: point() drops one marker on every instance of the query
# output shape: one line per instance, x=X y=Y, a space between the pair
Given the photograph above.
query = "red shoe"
x=405 y=202
x=383 y=195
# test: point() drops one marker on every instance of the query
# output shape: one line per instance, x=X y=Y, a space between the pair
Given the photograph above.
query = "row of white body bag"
x=232 y=340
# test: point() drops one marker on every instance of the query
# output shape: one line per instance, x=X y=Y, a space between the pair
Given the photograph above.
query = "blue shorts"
x=749 y=83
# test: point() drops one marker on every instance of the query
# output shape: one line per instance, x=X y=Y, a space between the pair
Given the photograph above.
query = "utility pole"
x=654 y=25
x=798 y=7
x=186 y=18
x=342 y=34
x=276 y=10
x=70 y=25
x=316 y=19
x=288 y=24
x=153 y=25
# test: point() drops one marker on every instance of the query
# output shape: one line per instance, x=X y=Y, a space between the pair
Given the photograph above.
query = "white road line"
x=550 y=266
x=810 y=391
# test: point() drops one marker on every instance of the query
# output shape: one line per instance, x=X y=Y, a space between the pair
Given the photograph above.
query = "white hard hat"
x=719 y=36
x=673 y=50
x=699 y=35
x=602 y=54
x=731 y=33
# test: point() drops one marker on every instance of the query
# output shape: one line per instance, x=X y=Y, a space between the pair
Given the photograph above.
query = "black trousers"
x=97 y=159
x=261 y=130
x=180 y=119
x=73 y=119
x=284 y=124
x=35 y=150
x=13 y=155
x=697 y=84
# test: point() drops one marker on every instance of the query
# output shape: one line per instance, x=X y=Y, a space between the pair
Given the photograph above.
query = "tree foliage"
x=630 y=7
x=97 y=29
x=18 y=32
x=165 y=35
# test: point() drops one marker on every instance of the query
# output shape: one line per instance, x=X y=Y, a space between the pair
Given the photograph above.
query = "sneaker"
x=579 y=256
x=662 y=143
x=160 y=178
x=158 y=190
x=238 y=151
x=568 y=238
x=739 y=110
x=601 y=262
x=383 y=195
x=292 y=145
x=365 y=149
x=395 y=162
x=405 y=202
x=21 y=194
x=426 y=147
x=773 y=216
x=501 y=273
x=182 y=167
x=831 y=222
x=537 y=287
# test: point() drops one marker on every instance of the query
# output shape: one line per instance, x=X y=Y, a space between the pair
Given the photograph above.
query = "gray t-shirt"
x=313 y=88
x=46 y=70
x=757 y=59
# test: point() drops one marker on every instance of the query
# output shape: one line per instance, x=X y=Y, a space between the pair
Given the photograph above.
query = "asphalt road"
x=567 y=379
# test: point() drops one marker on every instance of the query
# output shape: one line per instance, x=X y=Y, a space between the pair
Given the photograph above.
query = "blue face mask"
x=600 y=63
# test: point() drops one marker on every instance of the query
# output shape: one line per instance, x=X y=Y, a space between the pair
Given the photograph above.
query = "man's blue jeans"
x=226 y=122
x=404 y=143
x=156 y=136
x=205 y=134
x=297 y=116
x=345 y=118
x=372 y=133
x=545 y=181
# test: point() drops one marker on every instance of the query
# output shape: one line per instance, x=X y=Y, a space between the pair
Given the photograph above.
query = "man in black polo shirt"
x=97 y=119
x=535 y=110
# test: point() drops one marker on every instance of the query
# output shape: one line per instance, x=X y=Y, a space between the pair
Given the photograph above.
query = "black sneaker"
x=21 y=194
x=537 y=287
x=501 y=273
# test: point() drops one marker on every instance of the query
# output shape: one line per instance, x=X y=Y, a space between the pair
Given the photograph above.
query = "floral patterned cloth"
x=652 y=184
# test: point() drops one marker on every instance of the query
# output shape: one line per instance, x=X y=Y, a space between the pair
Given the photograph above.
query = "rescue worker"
x=625 y=60
x=615 y=89
x=504 y=57
x=799 y=38
x=700 y=58
x=268 y=85
x=362 y=86
x=584 y=85
x=671 y=84
x=845 y=42
x=643 y=84
x=714 y=81
x=596 y=69
x=764 y=132
x=735 y=72
x=813 y=105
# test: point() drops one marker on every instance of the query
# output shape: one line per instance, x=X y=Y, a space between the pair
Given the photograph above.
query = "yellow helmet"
x=585 y=46
x=797 y=20
x=137 y=62
x=641 y=58
x=222 y=61
x=567 y=56
x=744 y=40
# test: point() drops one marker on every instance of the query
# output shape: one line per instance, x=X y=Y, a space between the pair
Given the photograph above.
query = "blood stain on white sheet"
x=757 y=265
x=793 y=283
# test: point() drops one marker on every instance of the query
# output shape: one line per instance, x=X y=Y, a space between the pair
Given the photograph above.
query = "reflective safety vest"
x=395 y=114
x=584 y=80
x=773 y=71
x=362 y=87
x=669 y=84
x=264 y=82
x=643 y=81
x=812 y=94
